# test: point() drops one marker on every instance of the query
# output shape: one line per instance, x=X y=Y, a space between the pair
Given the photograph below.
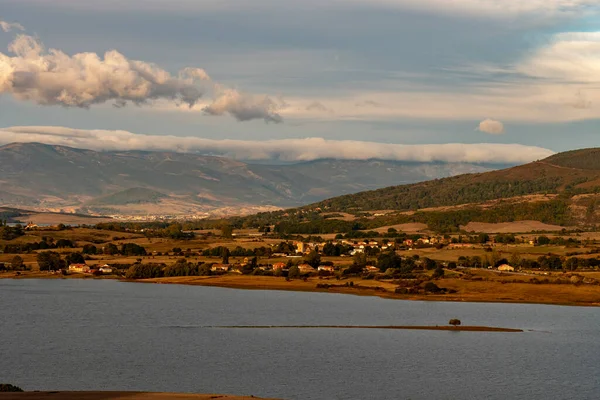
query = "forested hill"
x=572 y=172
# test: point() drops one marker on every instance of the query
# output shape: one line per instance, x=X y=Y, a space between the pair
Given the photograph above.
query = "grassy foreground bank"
x=116 y=396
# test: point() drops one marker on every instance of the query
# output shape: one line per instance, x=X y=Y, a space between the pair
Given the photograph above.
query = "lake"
x=110 y=335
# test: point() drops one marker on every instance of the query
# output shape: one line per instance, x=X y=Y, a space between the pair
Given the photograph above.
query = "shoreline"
x=465 y=328
x=473 y=292
x=116 y=395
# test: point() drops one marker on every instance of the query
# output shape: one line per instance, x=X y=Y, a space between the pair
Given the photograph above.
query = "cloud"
x=9 y=26
x=52 y=77
x=491 y=126
x=369 y=103
x=82 y=80
x=570 y=57
x=307 y=149
x=318 y=106
x=244 y=107
x=492 y=8
x=579 y=101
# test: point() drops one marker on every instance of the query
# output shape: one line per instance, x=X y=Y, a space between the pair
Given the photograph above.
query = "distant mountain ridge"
x=48 y=177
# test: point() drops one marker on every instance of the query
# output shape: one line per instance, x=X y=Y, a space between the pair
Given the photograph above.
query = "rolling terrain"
x=57 y=178
x=560 y=191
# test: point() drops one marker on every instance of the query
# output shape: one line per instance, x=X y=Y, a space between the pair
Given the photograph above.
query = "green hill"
x=573 y=172
x=563 y=189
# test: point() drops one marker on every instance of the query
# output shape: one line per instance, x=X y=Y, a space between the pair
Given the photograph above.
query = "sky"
x=418 y=80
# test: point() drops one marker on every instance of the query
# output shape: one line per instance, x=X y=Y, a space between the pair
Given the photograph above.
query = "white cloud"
x=9 y=26
x=496 y=8
x=285 y=149
x=572 y=57
x=53 y=77
x=492 y=8
x=244 y=107
x=491 y=126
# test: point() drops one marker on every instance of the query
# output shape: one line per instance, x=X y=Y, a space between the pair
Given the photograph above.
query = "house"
x=81 y=268
x=305 y=268
x=220 y=268
x=328 y=268
x=279 y=266
x=31 y=226
x=106 y=269
x=302 y=247
x=506 y=268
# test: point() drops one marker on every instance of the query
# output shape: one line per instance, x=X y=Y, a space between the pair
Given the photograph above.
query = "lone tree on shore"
x=454 y=322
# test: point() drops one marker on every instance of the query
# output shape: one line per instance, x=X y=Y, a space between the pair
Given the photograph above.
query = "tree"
x=429 y=264
x=454 y=322
x=294 y=272
x=50 y=261
x=226 y=231
x=74 y=258
x=495 y=257
x=438 y=273
x=543 y=240
x=111 y=249
x=132 y=249
x=387 y=260
x=62 y=243
x=483 y=238
x=515 y=259
x=225 y=255
x=331 y=250
x=572 y=263
x=17 y=263
x=89 y=249
x=145 y=271
x=7 y=387
x=360 y=260
x=313 y=259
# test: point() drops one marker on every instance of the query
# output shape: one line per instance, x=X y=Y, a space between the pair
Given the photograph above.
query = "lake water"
x=109 y=335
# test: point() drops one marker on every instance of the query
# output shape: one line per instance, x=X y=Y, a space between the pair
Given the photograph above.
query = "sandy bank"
x=115 y=396
x=393 y=327
x=467 y=291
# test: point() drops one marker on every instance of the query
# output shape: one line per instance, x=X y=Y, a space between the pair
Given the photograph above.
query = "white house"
x=106 y=269
x=82 y=268
x=328 y=268
x=506 y=268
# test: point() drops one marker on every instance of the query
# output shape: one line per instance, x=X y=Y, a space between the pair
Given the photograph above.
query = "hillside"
x=562 y=190
x=574 y=172
x=58 y=178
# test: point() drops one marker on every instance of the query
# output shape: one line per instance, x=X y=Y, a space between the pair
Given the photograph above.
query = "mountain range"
x=59 y=178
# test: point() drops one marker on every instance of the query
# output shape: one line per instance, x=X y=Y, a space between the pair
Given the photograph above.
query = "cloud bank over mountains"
x=289 y=150
x=52 y=77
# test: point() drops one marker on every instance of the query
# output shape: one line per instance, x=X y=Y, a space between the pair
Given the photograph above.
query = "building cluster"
x=87 y=269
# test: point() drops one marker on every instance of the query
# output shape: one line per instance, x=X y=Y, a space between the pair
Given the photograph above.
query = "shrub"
x=144 y=271
x=7 y=387
x=432 y=287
